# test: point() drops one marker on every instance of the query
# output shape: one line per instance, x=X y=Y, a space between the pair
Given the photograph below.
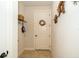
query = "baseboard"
x=20 y=52
x=29 y=49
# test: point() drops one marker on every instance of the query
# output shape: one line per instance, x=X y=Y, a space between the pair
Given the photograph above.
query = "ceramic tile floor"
x=36 y=54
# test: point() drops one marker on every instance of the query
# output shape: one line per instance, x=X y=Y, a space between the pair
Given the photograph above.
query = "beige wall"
x=29 y=41
x=21 y=37
x=65 y=34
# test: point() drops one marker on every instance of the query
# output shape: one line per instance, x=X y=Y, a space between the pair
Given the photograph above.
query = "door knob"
x=4 y=54
x=35 y=35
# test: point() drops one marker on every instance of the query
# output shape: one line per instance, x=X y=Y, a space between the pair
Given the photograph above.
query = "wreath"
x=42 y=22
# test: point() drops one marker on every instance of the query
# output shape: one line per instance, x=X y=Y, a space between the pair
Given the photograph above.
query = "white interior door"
x=42 y=33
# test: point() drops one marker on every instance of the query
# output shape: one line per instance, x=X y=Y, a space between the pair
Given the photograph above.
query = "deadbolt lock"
x=35 y=35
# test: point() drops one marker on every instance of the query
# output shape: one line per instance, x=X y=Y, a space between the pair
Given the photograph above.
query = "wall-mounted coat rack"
x=21 y=18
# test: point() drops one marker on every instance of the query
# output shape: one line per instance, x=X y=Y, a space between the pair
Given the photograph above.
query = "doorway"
x=36 y=41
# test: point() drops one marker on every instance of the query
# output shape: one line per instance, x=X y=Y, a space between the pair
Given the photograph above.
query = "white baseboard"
x=29 y=49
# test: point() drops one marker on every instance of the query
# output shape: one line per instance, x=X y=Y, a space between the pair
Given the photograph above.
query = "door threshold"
x=42 y=49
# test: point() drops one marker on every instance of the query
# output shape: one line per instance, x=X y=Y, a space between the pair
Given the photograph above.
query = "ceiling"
x=36 y=3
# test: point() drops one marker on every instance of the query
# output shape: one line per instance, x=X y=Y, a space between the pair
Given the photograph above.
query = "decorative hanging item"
x=60 y=10
x=42 y=22
x=55 y=19
x=22 y=21
x=23 y=28
x=21 y=17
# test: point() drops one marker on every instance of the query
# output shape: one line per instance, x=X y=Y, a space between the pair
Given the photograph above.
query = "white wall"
x=8 y=27
x=65 y=34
